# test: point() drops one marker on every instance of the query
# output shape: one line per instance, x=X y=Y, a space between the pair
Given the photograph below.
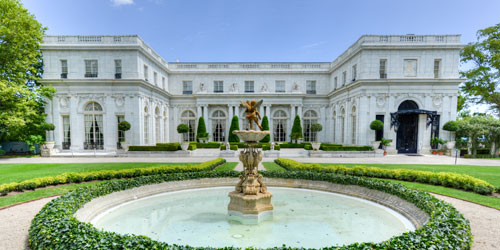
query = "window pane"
x=280 y=87
x=187 y=87
x=249 y=86
x=311 y=87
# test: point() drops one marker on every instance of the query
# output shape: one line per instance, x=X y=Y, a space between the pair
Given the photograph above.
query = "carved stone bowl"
x=251 y=135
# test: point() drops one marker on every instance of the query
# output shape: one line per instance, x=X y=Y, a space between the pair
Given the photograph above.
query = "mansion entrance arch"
x=406 y=141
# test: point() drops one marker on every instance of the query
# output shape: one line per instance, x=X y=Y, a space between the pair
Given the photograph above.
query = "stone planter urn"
x=185 y=146
x=50 y=145
x=375 y=145
x=316 y=145
x=125 y=145
x=450 y=145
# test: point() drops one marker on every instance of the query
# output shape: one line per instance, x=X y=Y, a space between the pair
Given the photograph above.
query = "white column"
x=300 y=113
x=269 y=116
x=77 y=124
x=322 y=135
x=110 y=124
x=364 y=132
x=391 y=133
x=167 y=126
x=176 y=122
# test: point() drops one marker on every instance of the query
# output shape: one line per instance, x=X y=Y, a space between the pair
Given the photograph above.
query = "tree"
x=201 y=131
x=234 y=126
x=482 y=85
x=315 y=128
x=472 y=129
x=296 y=129
x=22 y=97
x=265 y=127
x=182 y=129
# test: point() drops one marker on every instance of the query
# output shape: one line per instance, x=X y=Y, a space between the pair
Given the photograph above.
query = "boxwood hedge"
x=77 y=177
x=447 y=179
x=54 y=227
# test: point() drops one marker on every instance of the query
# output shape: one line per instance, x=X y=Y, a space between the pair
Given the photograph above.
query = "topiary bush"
x=451 y=126
x=453 y=180
x=265 y=127
x=234 y=126
x=55 y=227
x=124 y=126
x=201 y=131
x=296 y=130
x=376 y=125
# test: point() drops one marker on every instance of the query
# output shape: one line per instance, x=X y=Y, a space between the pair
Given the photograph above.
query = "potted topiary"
x=124 y=126
x=183 y=129
x=315 y=128
x=376 y=125
x=49 y=127
x=385 y=143
x=452 y=127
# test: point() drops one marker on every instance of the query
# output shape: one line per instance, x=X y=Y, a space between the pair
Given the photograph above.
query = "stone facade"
x=369 y=80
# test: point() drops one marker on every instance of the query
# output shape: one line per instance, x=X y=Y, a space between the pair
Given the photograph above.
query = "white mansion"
x=410 y=82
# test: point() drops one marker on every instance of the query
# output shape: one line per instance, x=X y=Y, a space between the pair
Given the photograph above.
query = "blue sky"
x=261 y=30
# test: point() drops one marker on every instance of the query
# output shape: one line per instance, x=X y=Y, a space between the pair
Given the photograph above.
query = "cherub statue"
x=252 y=112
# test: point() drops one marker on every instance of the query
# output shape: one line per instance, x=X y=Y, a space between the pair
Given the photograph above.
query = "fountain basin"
x=207 y=227
x=250 y=136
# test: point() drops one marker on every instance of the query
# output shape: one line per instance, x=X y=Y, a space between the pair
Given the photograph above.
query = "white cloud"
x=122 y=2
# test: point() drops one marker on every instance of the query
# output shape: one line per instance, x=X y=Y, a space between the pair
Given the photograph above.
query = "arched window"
x=157 y=125
x=341 y=125
x=165 y=124
x=334 y=117
x=353 y=118
x=279 y=126
x=188 y=117
x=310 y=118
x=408 y=105
x=94 y=137
x=146 y=125
x=219 y=126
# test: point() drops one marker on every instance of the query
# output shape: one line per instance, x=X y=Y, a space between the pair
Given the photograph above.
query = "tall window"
x=279 y=126
x=146 y=73
x=335 y=80
x=64 y=69
x=353 y=119
x=311 y=87
x=344 y=78
x=334 y=118
x=157 y=125
x=437 y=64
x=118 y=69
x=94 y=137
x=310 y=118
x=379 y=133
x=66 y=132
x=341 y=127
x=187 y=87
x=218 y=86
x=249 y=86
x=121 y=133
x=382 y=68
x=188 y=117
x=279 y=86
x=354 y=72
x=219 y=126
x=146 y=125
x=155 y=78
x=91 y=69
x=165 y=124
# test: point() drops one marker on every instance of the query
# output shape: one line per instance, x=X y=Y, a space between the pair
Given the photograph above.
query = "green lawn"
x=20 y=172
x=271 y=166
x=490 y=174
x=228 y=166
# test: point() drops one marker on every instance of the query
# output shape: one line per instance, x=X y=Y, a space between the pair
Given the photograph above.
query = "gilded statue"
x=252 y=113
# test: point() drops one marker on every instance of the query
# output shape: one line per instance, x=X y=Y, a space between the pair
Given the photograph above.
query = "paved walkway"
x=390 y=159
x=16 y=221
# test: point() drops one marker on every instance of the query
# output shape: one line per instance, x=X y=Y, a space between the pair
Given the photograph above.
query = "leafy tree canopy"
x=22 y=98
x=482 y=85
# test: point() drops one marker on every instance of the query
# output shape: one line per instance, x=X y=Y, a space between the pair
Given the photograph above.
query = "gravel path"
x=16 y=221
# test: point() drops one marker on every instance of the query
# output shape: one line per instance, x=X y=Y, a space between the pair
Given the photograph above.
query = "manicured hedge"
x=207 y=144
x=296 y=145
x=454 y=180
x=345 y=148
x=159 y=147
x=74 y=177
x=223 y=147
x=54 y=227
x=481 y=156
x=233 y=147
x=277 y=147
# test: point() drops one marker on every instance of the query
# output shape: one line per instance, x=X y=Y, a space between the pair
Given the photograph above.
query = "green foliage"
x=481 y=156
x=182 y=128
x=48 y=126
x=192 y=146
x=327 y=147
x=385 y=142
x=482 y=84
x=55 y=227
x=451 y=126
x=2 y=152
x=233 y=147
x=207 y=144
x=296 y=145
x=201 y=131
x=223 y=147
x=33 y=140
x=478 y=130
x=22 y=98
x=277 y=147
x=454 y=180
x=77 y=177
x=376 y=125
x=234 y=126
x=316 y=127
x=124 y=126
x=265 y=127
x=159 y=147
x=296 y=129
x=437 y=141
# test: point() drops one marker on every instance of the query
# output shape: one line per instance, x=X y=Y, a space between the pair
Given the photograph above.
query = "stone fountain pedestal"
x=250 y=201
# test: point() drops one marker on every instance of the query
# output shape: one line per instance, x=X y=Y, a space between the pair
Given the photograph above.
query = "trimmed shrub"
x=453 y=180
x=296 y=145
x=376 y=125
x=124 y=126
x=265 y=127
x=192 y=146
x=235 y=125
x=296 y=129
x=327 y=147
x=208 y=144
x=2 y=152
x=277 y=147
x=451 y=126
x=233 y=147
x=481 y=156
x=201 y=131
x=77 y=177
x=223 y=147
x=154 y=148
x=55 y=227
